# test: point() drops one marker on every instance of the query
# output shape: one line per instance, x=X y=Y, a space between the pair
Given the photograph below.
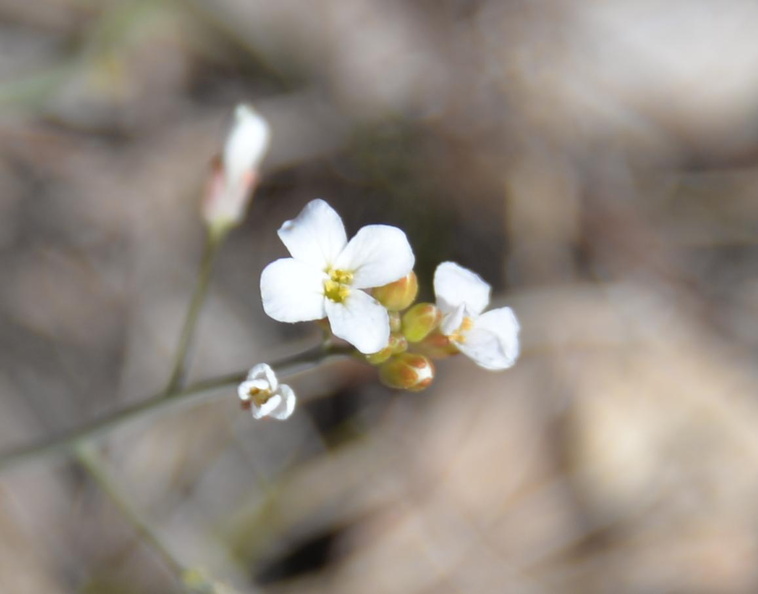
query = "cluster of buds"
x=398 y=367
x=365 y=290
x=421 y=332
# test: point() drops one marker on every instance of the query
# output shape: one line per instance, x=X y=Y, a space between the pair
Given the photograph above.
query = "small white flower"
x=490 y=339
x=265 y=395
x=326 y=274
x=232 y=180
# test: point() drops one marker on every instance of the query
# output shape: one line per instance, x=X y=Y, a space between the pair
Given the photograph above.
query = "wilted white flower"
x=236 y=173
x=265 y=395
x=490 y=339
x=326 y=274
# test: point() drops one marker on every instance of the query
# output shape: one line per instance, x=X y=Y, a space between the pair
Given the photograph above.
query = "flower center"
x=259 y=396
x=460 y=334
x=337 y=286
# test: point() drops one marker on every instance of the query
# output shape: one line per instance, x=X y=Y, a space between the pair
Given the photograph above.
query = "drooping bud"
x=437 y=346
x=398 y=295
x=397 y=344
x=407 y=371
x=235 y=173
x=420 y=320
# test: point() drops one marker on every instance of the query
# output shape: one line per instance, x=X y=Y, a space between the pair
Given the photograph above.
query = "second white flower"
x=490 y=339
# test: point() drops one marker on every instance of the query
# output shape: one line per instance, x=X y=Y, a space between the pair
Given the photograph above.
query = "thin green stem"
x=210 y=250
x=192 y=394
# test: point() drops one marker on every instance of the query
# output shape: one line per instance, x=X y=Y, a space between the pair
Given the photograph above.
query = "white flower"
x=490 y=339
x=232 y=180
x=265 y=395
x=326 y=274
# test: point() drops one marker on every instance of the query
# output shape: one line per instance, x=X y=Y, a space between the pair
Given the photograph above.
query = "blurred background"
x=595 y=161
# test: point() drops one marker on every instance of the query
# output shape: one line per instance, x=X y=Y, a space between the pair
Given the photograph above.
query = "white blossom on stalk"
x=326 y=275
x=490 y=339
x=234 y=176
x=264 y=394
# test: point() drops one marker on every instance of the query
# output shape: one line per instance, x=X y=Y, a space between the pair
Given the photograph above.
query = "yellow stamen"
x=258 y=396
x=460 y=334
x=337 y=287
x=343 y=277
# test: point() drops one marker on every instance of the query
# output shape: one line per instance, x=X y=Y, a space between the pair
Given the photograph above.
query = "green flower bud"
x=407 y=371
x=398 y=295
x=397 y=344
x=420 y=320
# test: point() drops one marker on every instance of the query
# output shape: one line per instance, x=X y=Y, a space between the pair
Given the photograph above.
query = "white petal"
x=263 y=371
x=504 y=324
x=493 y=341
x=245 y=146
x=455 y=285
x=286 y=405
x=452 y=321
x=265 y=409
x=292 y=291
x=377 y=255
x=361 y=320
x=316 y=235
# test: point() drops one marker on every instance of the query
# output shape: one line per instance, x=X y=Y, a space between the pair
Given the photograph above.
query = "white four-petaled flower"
x=326 y=275
x=265 y=395
x=490 y=339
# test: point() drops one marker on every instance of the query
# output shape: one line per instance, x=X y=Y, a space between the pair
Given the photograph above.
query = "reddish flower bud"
x=398 y=295
x=437 y=346
x=407 y=371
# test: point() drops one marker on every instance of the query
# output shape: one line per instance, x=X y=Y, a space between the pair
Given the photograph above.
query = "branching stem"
x=192 y=394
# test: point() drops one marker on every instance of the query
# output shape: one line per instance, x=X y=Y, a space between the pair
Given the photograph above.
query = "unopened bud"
x=398 y=295
x=397 y=344
x=407 y=371
x=437 y=345
x=235 y=174
x=420 y=320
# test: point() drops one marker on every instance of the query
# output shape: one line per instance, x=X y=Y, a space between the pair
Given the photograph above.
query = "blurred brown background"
x=594 y=160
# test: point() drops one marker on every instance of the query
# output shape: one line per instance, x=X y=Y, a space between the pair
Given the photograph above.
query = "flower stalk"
x=210 y=251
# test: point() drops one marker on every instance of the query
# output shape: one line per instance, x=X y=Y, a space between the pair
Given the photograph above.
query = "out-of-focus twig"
x=90 y=458
x=191 y=580
x=192 y=394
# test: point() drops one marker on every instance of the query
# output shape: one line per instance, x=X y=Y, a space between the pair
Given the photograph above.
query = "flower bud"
x=407 y=371
x=397 y=344
x=437 y=346
x=234 y=175
x=398 y=295
x=420 y=320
